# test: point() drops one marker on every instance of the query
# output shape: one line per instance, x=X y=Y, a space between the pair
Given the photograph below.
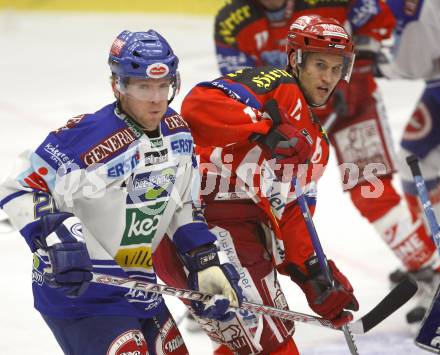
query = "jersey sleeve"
x=230 y=110
x=297 y=243
x=27 y=193
x=219 y=120
x=188 y=228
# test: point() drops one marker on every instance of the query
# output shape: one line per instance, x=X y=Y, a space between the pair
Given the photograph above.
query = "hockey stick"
x=413 y=163
x=322 y=259
x=428 y=336
x=393 y=301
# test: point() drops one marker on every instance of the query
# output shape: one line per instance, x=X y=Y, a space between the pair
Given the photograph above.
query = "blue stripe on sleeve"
x=11 y=197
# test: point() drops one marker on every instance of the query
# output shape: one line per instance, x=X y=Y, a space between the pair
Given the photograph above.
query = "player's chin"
x=320 y=100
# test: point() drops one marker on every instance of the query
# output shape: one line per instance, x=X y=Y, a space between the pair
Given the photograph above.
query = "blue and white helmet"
x=144 y=55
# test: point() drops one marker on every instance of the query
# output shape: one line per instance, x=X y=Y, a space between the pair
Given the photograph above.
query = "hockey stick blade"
x=391 y=303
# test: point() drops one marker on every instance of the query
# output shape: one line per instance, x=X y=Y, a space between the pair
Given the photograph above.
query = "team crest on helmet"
x=157 y=70
x=117 y=46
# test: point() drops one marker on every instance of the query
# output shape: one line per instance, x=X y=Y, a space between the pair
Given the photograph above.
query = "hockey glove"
x=288 y=145
x=208 y=274
x=62 y=239
x=326 y=300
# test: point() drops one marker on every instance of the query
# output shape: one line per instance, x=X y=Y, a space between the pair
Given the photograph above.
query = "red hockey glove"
x=324 y=299
x=287 y=144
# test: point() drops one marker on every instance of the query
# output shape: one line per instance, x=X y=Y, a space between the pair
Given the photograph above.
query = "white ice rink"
x=54 y=66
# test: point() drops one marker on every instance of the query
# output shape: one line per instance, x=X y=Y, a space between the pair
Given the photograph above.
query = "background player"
x=416 y=55
x=253 y=32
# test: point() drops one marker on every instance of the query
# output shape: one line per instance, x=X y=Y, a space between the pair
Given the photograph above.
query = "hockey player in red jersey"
x=255 y=131
x=252 y=33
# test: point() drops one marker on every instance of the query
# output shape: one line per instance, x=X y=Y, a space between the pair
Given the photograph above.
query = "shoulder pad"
x=232 y=18
x=97 y=137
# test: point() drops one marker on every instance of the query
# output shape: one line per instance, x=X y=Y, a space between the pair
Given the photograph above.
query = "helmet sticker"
x=117 y=46
x=157 y=70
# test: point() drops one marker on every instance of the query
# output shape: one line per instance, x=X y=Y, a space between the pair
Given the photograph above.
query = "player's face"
x=319 y=75
x=145 y=100
x=272 y=4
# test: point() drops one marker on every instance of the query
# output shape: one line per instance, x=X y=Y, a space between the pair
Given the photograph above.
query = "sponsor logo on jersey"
x=277 y=201
x=36 y=181
x=156 y=142
x=239 y=195
x=132 y=342
x=157 y=70
x=124 y=167
x=170 y=341
x=129 y=122
x=157 y=157
x=140 y=257
x=151 y=185
x=175 y=122
x=140 y=227
x=56 y=155
x=228 y=25
x=261 y=80
x=37 y=277
x=109 y=146
x=221 y=85
x=182 y=144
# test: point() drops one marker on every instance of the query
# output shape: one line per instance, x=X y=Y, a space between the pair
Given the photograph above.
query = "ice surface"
x=54 y=67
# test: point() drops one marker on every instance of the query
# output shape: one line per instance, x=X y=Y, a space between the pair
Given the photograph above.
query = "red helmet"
x=314 y=33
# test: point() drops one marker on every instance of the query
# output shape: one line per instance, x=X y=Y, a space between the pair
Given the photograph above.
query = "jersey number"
x=43 y=204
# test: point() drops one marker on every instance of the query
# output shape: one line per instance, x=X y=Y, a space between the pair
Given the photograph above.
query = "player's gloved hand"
x=287 y=144
x=63 y=240
x=373 y=53
x=328 y=301
x=208 y=274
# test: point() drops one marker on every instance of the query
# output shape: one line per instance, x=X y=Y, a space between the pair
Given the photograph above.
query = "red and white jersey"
x=225 y=115
x=247 y=35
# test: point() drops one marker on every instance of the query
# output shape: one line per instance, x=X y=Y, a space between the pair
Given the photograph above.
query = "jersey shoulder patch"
x=173 y=123
x=263 y=79
x=234 y=17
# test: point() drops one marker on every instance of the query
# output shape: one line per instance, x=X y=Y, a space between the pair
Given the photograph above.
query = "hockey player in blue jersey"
x=99 y=194
x=416 y=55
